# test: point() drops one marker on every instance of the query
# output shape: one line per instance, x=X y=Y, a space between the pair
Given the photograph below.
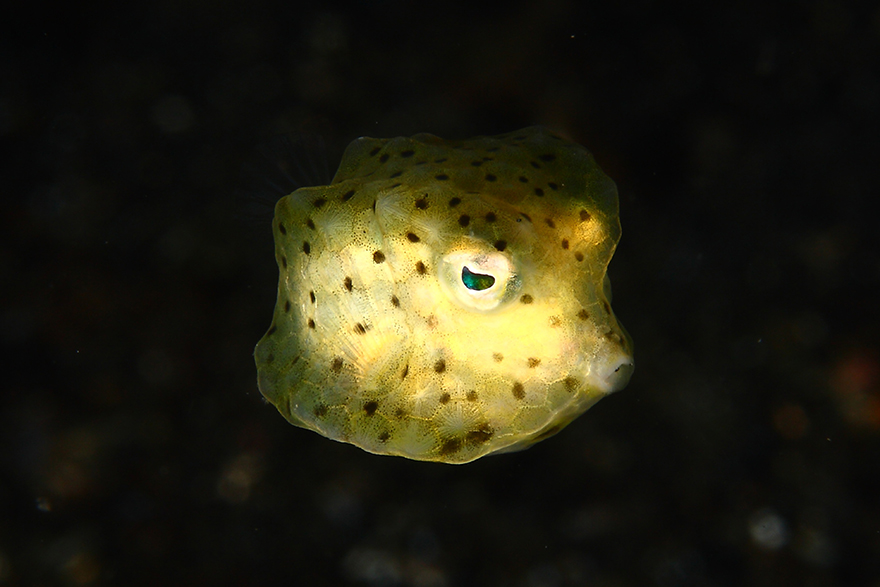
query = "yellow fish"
x=443 y=300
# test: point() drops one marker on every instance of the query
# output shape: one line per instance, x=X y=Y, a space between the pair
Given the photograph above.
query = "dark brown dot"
x=420 y=268
x=347 y=195
x=440 y=366
x=489 y=158
x=378 y=257
x=384 y=157
x=431 y=321
x=336 y=365
x=320 y=410
x=307 y=248
x=523 y=179
x=539 y=192
x=422 y=203
x=519 y=392
x=535 y=164
x=312 y=296
x=579 y=256
x=374 y=206
x=526 y=299
x=396 y=185
x=412 y=237
x=552 y=186
x=497 y=357
x=444 y=399
x=490 y=177
x=284 y=261
x=476 y=163
x=360 y=328
x=395 y=301
x=271 y=330
x=319 y=202
x=526 y=216
x=395 y=174
x=441 y=177
x=450 y=446
x=310 y=224
x=471 y=396
x=405 y=372
x=311 y=323
x=583 y=315
x=346 y=283
x=550 y=222
x=500 y=245
x=555 y=321
x=584 y=215
x=570 y=383
x=533 y=362
x=374 y=151
x=490 y=217
x=287 y=306
x=464 y=220
x=270 y=357
x=565 y=243
x=440 y=160
x=281 y=228
x=399 y=413
x=384 y=436
x=408 y=153
x=454 y=202
x=607 y=307
x=548 y=157
x=482 y=434
x=370 y=407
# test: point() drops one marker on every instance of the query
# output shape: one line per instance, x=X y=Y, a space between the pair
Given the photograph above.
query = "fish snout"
x=615 y=373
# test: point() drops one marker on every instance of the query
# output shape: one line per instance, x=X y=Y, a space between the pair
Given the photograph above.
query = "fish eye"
x=476 y=281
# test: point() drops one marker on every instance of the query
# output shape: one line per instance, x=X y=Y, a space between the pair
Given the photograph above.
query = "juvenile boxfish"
x=443 y=300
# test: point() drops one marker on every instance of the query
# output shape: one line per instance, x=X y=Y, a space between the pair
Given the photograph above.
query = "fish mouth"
x=615 y=374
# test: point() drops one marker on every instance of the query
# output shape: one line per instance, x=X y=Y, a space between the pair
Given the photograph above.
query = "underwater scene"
x=328 y=294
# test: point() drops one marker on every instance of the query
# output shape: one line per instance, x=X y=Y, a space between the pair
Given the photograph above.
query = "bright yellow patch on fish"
x=443 y=300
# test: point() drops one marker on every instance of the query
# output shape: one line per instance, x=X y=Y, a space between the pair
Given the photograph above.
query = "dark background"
x=136 y=449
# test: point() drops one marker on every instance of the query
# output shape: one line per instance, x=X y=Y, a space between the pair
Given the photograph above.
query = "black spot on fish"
x=565 y=243
x=287 y=306
x=583 y=314
x=490 y=177
x=374 y=151
x=500 y=245
x=347 y=195
x=378 y=257
x=523 y=179
x=471 y=396
x=444 y=399
x=281 y=228
x=440 y=366
x=405 y=372
x=555 y=321
x=395 y=174
x=490 y=217
x=422 y=203
x=535 y=164
x=270 y=358
x=548 y=157
x=539 y=192
x=307 y=248
x=579 y=256
x=526 y=299
x=320 y=410
x=450 y=446
x=570 y=384
x=311 y=323
x=412 y=237
x=440 y=160
x=384 y=157
x=312 y=296
x=271 y=330
x=607 y=308
x=395 y=301
x=481 y=435
x=347 y=284
x=519 y=392
x=284 y=261
x=464 y=220
x=476 y=163
x=384 y=436
x=552 y=186
x=497 y=357
x=420 y=268
x=454 y=202
x=533 y=362
x=584 y=215
x=360 y=328
x=370 y=407
x=550 y=222
x=441 y=177
x=319 y=202
x=310 y=224
x=408 y=153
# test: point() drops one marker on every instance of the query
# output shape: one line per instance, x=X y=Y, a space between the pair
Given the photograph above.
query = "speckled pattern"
x=137 y=448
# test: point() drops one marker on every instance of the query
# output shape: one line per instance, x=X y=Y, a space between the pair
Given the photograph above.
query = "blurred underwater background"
x=743 y=138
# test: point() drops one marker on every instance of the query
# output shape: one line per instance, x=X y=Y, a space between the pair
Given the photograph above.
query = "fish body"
x=443 y=300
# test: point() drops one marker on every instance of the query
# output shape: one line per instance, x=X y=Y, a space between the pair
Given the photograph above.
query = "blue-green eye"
x=476 y=281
